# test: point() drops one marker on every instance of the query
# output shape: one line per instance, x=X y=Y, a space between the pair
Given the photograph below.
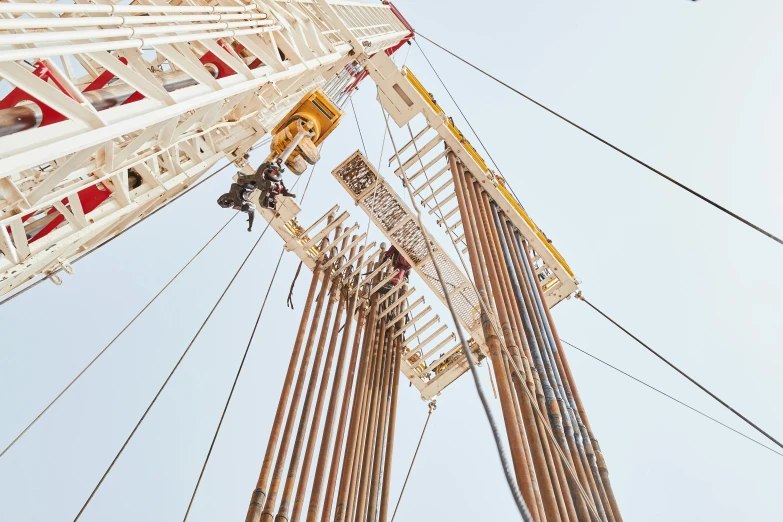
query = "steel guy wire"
x=149 y=303
x=413 y=460
x=614 y=147
x=515 y=493
x=171 y=374
x=73 y=381
x=233 y=386
x=669 y=396
x=675 y=368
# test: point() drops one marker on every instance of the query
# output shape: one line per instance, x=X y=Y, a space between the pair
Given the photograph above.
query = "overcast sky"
x=692 y=88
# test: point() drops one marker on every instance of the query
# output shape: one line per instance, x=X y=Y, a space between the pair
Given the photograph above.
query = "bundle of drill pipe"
x=557 y=462
x=350 y=479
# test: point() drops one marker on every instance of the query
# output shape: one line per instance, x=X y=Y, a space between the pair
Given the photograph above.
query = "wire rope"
x=171 y=374
x=149 y=303
x=614 y=147
x=413 y=460
x=182 y=357
x=681 y=372
x=233 y=387
x=669 y=396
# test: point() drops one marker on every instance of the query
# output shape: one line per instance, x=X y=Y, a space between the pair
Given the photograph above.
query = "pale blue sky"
x=692 y=88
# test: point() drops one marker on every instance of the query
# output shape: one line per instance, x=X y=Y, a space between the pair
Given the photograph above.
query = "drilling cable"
x=610 y=145
x=512 y=485
x=670 y=397
x=413 y=460
x=675 y=368
x=233 y=386
x=171 y=374
x=115 y=338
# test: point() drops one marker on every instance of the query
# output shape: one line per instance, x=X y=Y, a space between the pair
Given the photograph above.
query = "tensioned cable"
x=675 y=368
x=169 y=202
x=670 y=397
x=233 y=386
x=171 y=374
x=512 y=485
x=115 y=337
x=203 y=324
x=361 y=136
x=616 y=148
x=413 y=460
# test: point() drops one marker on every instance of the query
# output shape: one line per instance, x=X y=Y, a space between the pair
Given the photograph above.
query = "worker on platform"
x=268 y=178
x=399 y=265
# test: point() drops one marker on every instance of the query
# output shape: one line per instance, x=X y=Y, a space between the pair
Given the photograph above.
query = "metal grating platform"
x=398 y=222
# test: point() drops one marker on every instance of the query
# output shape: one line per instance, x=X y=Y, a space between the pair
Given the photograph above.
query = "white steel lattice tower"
x=109 y=109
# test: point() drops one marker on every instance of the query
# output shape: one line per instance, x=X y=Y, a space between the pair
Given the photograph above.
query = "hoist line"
x=169 y=202
x=171 y=374
x=361 y=136
x=510 y=481
x=614 y=147
x=669 y=396
x=675 y=368
x=203 y=324
x=413 y=461
x=149 y=303
x=233 y=386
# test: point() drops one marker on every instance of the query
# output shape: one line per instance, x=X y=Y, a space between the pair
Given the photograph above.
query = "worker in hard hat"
x=268 y=178
x=399 y=265
x=238 y=198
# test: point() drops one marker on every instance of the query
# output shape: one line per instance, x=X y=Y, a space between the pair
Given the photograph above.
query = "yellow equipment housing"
x=315 y=113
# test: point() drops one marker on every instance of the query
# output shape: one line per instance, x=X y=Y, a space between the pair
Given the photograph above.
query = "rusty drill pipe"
x=277 y=474
x=522 y=471
x=533 y=346
x=545 y=463
x=319 y=404
x=580 y=508
x=343 y=424
x=296 y=452
x=349 y=461
x=350 y=476
x=326 y=439
x=570 y=386
x=576 y=447
x=583 y=434
x=258 y=497
x=548 y=496
x=564 y=483
x=304 y=473
x=386 y=488
x=380 y=432
x=372 y=424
